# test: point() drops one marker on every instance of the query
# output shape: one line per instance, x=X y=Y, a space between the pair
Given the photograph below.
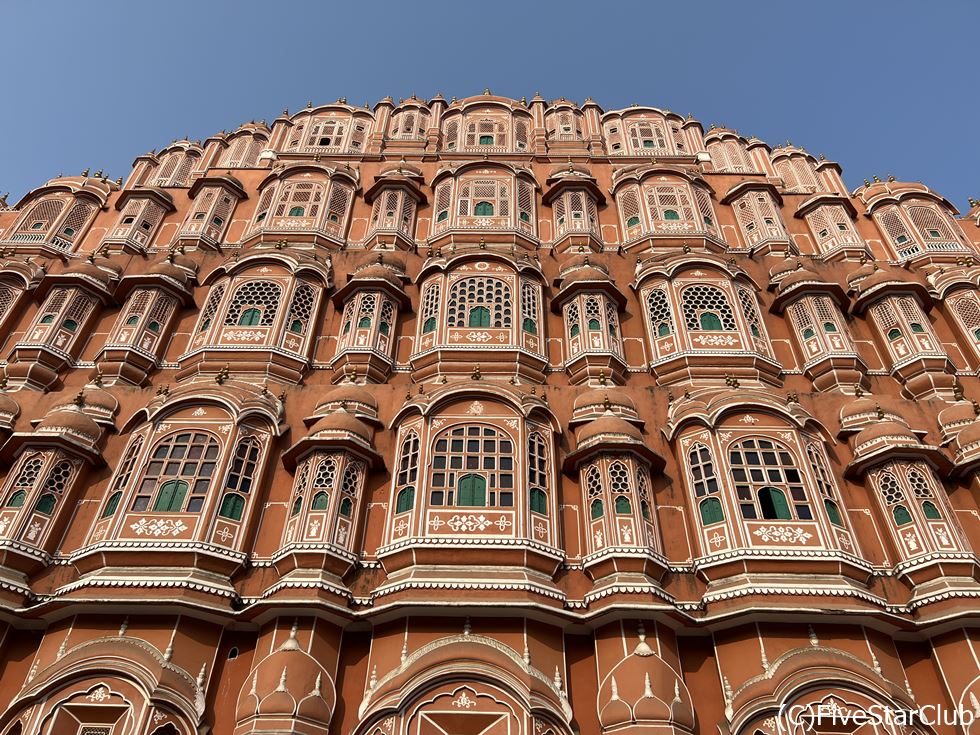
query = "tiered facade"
x=485 y=416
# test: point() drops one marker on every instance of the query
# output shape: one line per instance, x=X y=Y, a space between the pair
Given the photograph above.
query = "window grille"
x=481 y=456
x=178 y=473
x=702 y=470
x=537 y=460
x=40 y=217
x=301 y=309
x=490 y=295
x=75 y=222
x=263 y=296
x=210 y=309
x=408 y=467
x=430 y=307
x=759 y=466
x=529 y=307
x=658 y=308
x=700 y=300
x=300 y=199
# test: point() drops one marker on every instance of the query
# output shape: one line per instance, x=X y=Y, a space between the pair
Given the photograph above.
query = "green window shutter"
x=663 y=330
x=45 y=504
x=671 y=215
x=833 y=512
x=249 y=318
x=930 y=511
x=710 y=322
x=901 y=515
x=594 y=325
x=539 y=501
x=320 y=501
x=346 y=507
x=17 y=499
x=632 y=221
x=623 y=504
x=917 y=328
x=574 y=331
x=894 y=334
x=170 y=498
x=364 y=322
x=479 y=317
x=773 y=504
x=711 y=511
x=483 y=209
x=808 y=333
x=110 y=507
x=429 y=326
x=597 y=509
x=297 y=212
x=297 y=506
x=406 y=500
x=472 y=491
x=232 y=506
x=829 y=327
x=530 y=327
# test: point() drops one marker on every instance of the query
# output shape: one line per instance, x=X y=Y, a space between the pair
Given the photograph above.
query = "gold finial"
x=876 y=179
x=483 y=243
x=976 y=408
x=79 y=399
x=793 y=397
x=97 y=380
x=602 y=377
x=487 y=91
x=476 y=375
x=879 y=411
x=670 y=396
x=163 y=390
x=890 y=178
x=85 y=172
x=119 y=180
x=866 y=183
x=309 y=104
x=858 y=392
x=222 y=375
x=282 y=396
x=686 y=248
x=98 y=174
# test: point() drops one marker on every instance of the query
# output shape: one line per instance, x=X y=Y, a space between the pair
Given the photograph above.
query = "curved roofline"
x=445 y=264
x=725 y=403
x=456 y=170
x=522 y=403
x=669 y=265
x=278 y=257
x=293 y=167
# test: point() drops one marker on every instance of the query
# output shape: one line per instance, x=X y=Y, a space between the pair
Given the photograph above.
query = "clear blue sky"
x=881 y=87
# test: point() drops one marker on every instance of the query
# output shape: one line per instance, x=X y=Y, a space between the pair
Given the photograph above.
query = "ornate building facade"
x=485 y=416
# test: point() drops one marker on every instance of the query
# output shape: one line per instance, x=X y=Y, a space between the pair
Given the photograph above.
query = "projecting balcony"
x=38 y=243
x=200 y=234
x=573 y=233
x=931 y=251
x=673 y=234
x=297 y=230
x=473 y=229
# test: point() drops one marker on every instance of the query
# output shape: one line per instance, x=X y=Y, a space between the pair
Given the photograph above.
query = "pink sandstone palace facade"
x=486 y=416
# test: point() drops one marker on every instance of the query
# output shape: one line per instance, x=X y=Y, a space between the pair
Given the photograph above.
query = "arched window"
x=25 y=482
x=57 y=482
x=483 y=209
x=707 y=308
x=254 y=303
x=483 y=198
x=593 y=487
x=620 y=489
x=529 y=308
x=711 y=512
x=472 y=465
x=301 y=309
x=123 y=476
x=480 y=302
x=408 y=466
x=320 y=501
x=833 y=512
x=901 y=515
x=241 y=475
x=178 y=474
x=764 y=473
x=538 y=501
x=430 y=308
x=658 y=309
x=211 y=307
x=891 y=493
x=405 y=500
x=537 y=473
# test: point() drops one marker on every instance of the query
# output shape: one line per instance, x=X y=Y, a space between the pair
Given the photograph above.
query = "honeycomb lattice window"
x=301 y=309
x=8 y=295
x=26 y=479
x=919 y=484
x=593 y=488
x=472 y=465
x=74 y=222
x=480 y=302
x=967 y=312
x=706 y=307
x=658 y=309
x=768 y=484
x=895 y=229
x=750 y=309
x=210 y=309
x=178 y=473
x=254 y=303
x=572 y=319
x=931 y=223
x=890 y=490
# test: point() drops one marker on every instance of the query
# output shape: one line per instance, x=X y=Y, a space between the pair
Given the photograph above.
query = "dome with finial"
x=341 y=424
x=596 y=403
x=288 y=683
x=355 y=399
x=956 y=417
x=865 y=411
x=95 y=402
x=9 y=411
x=966 y=444
x=607 y=428
x=72 y=425
x=881 y=437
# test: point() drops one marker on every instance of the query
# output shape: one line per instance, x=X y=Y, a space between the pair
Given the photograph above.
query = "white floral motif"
x=158 y=527
x=243 y=335
x=715 y=340
x=199 y=412
x=224 y=534
x=783 y=533
x=3 y=525
x=716 y=540
x=33 y=531
x=476 y=408
x=463 y=700
x=100 y=694
x=748 y=419
x=479 y=337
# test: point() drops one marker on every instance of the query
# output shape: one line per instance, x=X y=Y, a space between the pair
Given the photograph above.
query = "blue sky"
x=881 y=87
